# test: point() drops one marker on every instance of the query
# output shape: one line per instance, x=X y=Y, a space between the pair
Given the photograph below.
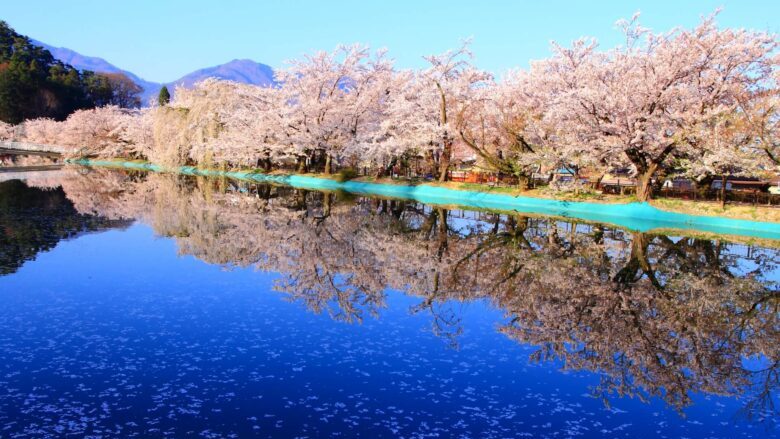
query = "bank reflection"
x=652 y=315
x=35 y=219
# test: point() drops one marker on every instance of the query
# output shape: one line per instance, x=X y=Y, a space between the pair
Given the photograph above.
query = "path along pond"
x=156 y=304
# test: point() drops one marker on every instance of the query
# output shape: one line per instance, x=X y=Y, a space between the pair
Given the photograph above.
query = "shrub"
x=346 y=174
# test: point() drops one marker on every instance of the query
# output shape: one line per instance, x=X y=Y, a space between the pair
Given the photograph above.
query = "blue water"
x=116 y=333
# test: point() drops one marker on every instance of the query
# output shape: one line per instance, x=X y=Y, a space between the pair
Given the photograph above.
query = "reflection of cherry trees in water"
x=653 y=315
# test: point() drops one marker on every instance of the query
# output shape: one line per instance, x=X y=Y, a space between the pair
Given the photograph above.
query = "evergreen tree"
x=164 y=97
x=34 y=84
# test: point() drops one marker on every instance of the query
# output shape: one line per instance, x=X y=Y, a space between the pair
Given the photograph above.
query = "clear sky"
x=162 y=40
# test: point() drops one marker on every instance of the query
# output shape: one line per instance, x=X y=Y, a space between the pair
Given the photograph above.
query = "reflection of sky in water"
x=112 y=334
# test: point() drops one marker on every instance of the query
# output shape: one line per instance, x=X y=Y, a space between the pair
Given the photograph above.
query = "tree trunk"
x=523 y=183
x=433 y=163
x=327 y=164
x=552 y=234
x=300 y=200
x=301 y=165
x=598 y=234
x=521 y=223
x=326 y=205
x=385 y=170
x=444 y=161
x=639 y=261
x=264 y=164
x=442 y=232
x=703 y=186
x=723 y=191
x=264 y=192
x=596 y=184
x=644 y=183
x=398 y=209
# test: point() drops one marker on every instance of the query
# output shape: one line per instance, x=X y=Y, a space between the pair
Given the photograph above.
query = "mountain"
x=99 y=65
x=238 y=70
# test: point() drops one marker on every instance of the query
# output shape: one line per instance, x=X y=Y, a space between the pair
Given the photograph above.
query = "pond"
x=156 y=305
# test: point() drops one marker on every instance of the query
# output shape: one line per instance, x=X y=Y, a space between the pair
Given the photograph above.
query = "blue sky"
x=162 y=40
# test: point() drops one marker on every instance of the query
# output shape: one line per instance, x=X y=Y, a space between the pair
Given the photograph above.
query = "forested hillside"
x=33 y=84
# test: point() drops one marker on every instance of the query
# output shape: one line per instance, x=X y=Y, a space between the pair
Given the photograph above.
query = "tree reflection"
x=652 y=315
x=34 y=220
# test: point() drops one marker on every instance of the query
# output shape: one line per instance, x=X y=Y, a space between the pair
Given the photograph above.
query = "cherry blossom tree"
x=185 y=129
x=42 y=130
x=136 y=130
x=6 y=131
x=331 y=98
x=365 y=106
x=238 y=124
x=647 y=98
x=696 y=102
x=734 y=150
x=379 y=144
x=503 y=124
x=94 y=132
x=422 y=116
x=759 y=111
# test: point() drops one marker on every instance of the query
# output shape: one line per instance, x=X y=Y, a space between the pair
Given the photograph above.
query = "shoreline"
x=636 y=216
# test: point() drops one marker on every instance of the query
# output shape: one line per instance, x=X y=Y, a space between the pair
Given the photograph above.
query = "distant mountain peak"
x=244 y=70
x=99 y=65
x=239 y=70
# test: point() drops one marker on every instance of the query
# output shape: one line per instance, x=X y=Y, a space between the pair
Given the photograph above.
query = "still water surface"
x=149 y=305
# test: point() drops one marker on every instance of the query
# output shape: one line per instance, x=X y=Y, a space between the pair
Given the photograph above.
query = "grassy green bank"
x=643 y=217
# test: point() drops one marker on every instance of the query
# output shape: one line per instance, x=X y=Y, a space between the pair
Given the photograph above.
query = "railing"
x=485 y=178
x=754 y=197
x=32 y=147
x=27 y=172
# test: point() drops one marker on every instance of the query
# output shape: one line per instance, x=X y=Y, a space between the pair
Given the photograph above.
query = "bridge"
x=19 y=169
x=28 y=172
x=23 y=148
